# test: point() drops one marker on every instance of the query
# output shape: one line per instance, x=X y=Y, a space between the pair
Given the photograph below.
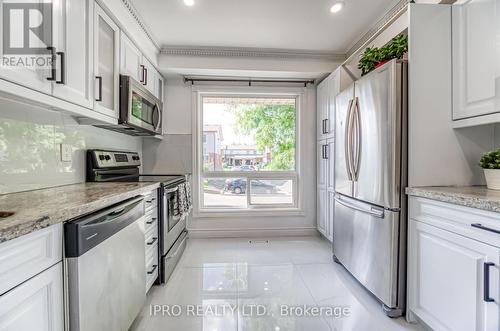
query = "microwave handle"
x=157 y=108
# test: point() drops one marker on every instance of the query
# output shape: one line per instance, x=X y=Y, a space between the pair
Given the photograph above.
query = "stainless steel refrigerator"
x=369 y=232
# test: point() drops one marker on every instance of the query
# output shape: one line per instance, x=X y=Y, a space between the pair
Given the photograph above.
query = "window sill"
x=227 y=213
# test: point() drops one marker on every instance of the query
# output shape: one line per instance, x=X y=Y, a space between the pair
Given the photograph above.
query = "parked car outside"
x=239 y=186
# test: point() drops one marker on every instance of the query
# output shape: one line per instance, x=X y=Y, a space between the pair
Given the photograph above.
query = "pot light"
x=189 y=3
x=337 y=6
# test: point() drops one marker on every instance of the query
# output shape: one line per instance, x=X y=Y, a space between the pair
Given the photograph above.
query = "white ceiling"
x=278 y=24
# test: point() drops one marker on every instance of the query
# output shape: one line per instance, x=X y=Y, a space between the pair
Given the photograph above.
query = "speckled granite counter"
x=38 y=209
x=470 y=196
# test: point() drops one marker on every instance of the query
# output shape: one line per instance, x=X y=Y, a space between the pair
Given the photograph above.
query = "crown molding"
x=133 y=12
x=380 y=25
x=250 y=52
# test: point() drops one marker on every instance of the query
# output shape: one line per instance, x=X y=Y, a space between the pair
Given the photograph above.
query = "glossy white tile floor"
x=233 y=273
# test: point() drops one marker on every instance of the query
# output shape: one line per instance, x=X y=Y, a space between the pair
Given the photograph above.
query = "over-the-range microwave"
x=140 y=111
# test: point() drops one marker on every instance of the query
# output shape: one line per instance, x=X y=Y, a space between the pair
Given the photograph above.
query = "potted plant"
x=490 y=162
x=374 y=57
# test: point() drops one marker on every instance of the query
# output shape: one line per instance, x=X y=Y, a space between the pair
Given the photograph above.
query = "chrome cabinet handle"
x=152 y=241
x=153 y=270
x=99 y=80
x=152 y=221
x=482 y=227
x=63 y=68
x=486 y=286
x=326 y=126
x=142 y=74
x=53 y=72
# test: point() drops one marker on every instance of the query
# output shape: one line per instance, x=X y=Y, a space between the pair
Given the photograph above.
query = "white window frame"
x=294 y=209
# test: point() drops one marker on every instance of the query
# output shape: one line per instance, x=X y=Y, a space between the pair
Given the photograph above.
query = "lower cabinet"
x=36 y=304
x=325 y=210
x=453 y=280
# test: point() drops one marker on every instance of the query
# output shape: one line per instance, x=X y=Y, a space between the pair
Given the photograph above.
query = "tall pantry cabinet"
x=327 y=90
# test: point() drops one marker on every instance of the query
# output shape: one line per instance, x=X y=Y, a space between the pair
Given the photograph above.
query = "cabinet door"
x=159 y=86
x=476 y=58
x=130 y=59
x=149 y=76
x=330 y=155
x=36 y=304
x=106 y=63
x=322 y=109
x=20 y=47
x=322 y=164
x=322 y=211
x=73 y=32
x=446 y=275
x=330 y=214
x=333 y=90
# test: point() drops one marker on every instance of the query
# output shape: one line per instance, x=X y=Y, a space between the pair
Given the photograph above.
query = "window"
x=249 y=155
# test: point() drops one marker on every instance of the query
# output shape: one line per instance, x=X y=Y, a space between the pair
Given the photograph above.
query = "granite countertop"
x=469 y=196
x=38 y=209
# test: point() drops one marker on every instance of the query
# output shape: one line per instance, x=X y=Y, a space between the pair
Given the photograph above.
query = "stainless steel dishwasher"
x=106 y=268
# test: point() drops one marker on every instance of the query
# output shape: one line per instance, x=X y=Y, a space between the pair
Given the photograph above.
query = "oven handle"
x=171 y=190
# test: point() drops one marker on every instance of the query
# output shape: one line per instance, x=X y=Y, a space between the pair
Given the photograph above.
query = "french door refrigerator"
x=369 y=236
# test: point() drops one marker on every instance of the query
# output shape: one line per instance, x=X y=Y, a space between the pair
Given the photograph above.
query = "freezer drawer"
x=365 y=241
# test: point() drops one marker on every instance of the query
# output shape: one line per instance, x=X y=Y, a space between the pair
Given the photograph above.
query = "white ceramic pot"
x=492 y=178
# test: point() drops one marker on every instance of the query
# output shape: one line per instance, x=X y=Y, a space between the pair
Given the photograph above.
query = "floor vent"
x=258 y=241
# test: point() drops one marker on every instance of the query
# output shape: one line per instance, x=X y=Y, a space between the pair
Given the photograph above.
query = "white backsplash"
x=30 y=139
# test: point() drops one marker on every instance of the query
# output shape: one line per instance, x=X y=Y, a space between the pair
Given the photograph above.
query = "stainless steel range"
x=174 y=203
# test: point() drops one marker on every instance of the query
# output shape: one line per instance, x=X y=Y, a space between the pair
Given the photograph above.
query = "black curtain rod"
x=249 y=81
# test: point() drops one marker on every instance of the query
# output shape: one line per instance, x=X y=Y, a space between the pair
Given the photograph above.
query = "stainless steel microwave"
x=139 y=108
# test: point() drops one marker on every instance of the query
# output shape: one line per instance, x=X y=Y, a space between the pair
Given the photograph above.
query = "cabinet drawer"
x=152 y=265
x=28 y=255
x=151 y=201
x=151 y=237
x=151 y=220
x=36 y=304
x=469 y=222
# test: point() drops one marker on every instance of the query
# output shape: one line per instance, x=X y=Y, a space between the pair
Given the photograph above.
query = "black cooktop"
x=163 y=179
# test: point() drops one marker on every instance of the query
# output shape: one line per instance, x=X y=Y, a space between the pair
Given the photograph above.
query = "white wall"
x=30 y=152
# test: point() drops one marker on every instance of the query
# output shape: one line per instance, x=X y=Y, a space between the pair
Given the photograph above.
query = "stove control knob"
x=107 y=157
x=101 y=157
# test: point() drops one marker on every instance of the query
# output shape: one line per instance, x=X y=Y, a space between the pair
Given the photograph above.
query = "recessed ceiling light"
x=337 y=6
x=189 y=3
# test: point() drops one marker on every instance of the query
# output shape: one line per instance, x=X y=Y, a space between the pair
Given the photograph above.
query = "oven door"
x=172 y=222
x=143 y=109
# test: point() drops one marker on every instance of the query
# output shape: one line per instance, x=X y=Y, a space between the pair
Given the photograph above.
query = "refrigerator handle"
x=357 y=139
x=347 y=141
x=373 y=211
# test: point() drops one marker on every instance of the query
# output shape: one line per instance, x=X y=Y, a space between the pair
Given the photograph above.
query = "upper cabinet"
x=476 y=58
x=130 y=59
x=84 y=51
x=133 y=63
x=326 y=92
x=72 y=40
x=106 y=62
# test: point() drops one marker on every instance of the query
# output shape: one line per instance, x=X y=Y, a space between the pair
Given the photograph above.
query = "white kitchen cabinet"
x=130 y=59
x=106 y=63
x=322 y=164
x=33 y=77
x=329 y=215
x=149 y=76
x=322 y=213
x=330 y=166
x=159 y=86
x=452 y=276
x=73 y=32
x=476 y=58
x=322 y=108
x=36 y=304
